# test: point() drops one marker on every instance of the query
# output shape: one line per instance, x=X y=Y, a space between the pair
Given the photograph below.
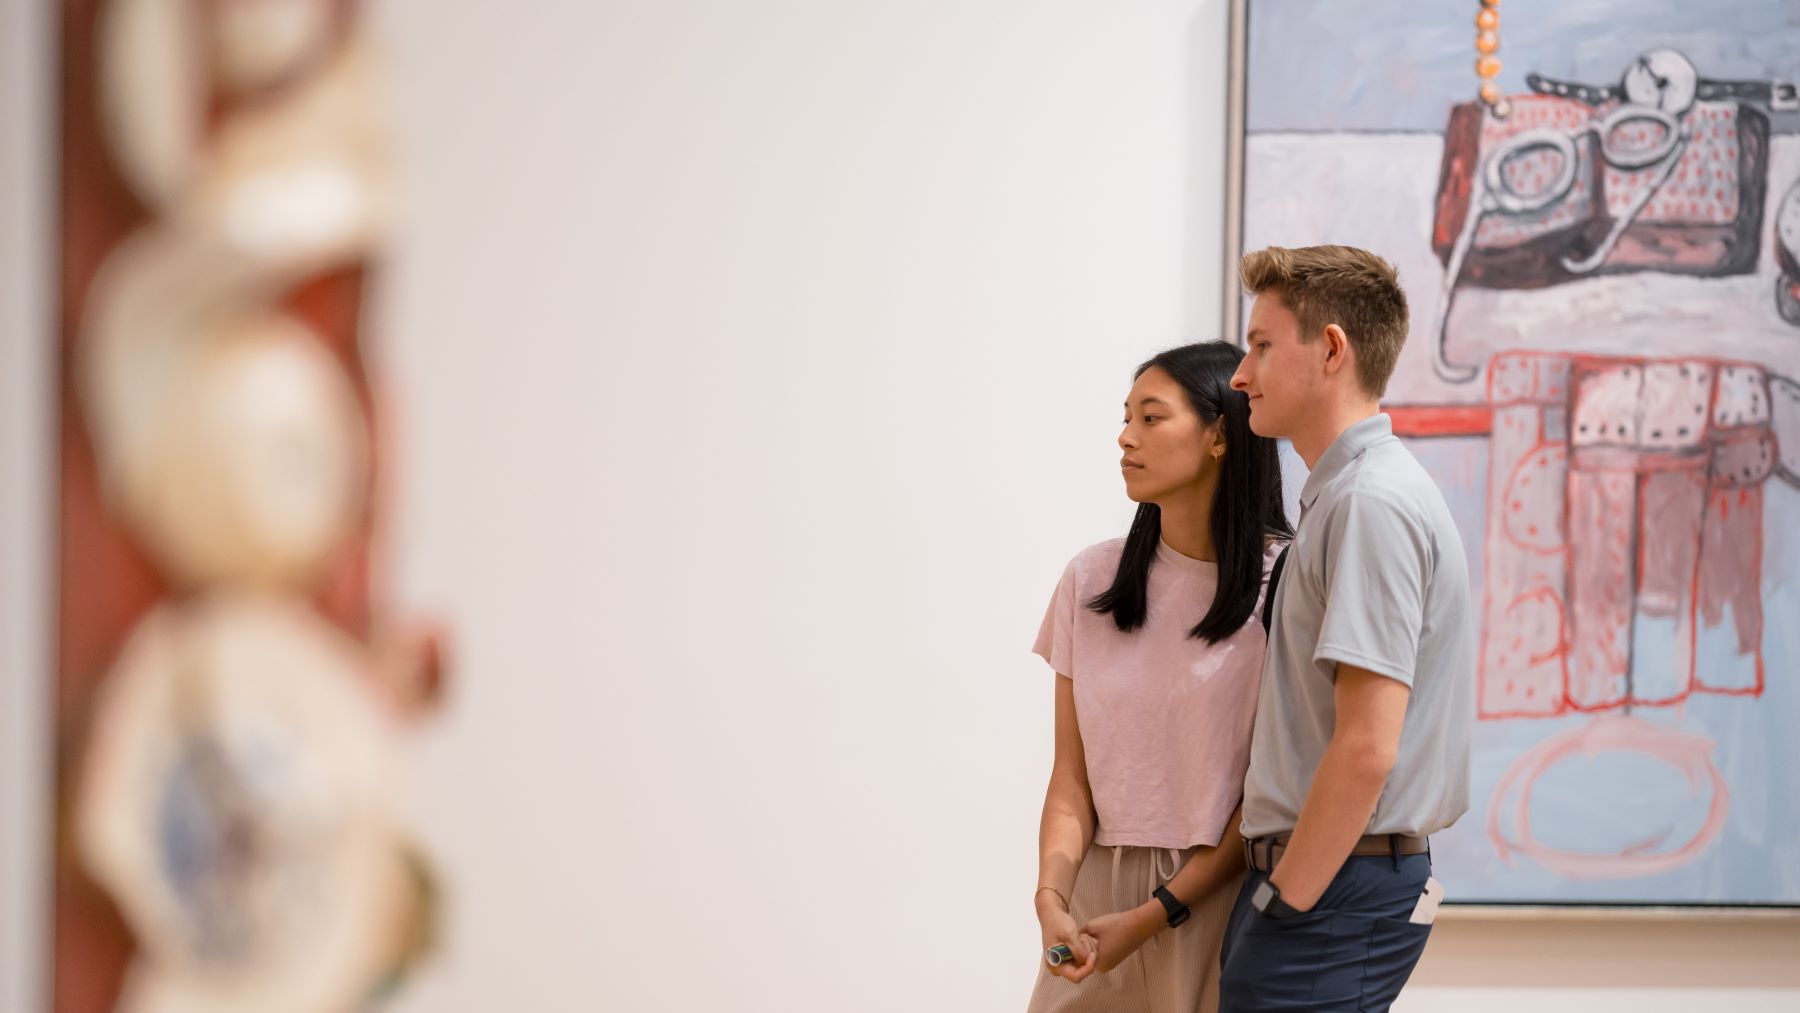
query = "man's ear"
x=1337 y=348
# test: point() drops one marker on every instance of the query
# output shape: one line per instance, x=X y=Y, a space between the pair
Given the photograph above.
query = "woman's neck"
x=1187 y=520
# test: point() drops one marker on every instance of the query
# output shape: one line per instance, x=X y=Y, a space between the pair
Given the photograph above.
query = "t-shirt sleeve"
x=1056 y=636
x=1377 y=563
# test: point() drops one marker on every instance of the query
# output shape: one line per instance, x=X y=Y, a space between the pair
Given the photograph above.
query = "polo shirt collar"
x=1349 y=445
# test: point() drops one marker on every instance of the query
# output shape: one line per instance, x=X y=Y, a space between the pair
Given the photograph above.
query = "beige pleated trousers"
x=1177 y=971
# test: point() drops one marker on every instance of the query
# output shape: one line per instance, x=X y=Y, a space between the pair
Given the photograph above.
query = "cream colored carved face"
x=260 y=468
x=236 y=807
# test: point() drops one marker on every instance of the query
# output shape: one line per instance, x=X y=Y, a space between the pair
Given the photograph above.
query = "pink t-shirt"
x=1165 y=718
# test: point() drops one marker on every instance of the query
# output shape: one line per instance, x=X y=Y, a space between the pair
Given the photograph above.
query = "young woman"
x=1157 y=645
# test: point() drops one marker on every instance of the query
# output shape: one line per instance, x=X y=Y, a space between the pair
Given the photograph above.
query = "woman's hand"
x=1059 y=927
x=1118 y=935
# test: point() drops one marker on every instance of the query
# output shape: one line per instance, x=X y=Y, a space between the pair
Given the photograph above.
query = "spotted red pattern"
x=1701 y=189
x=1654 y=511
x=1533 y=171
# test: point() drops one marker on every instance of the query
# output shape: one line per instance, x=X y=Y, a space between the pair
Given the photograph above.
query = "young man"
x=1361 y=747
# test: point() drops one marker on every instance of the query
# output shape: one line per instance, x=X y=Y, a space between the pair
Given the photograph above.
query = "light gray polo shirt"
x=1376 y=578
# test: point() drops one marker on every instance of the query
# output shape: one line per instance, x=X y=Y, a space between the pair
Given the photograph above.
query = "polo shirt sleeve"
x=1377 y=564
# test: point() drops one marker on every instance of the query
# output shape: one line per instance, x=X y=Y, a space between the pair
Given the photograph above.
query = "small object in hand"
x=1058 y=955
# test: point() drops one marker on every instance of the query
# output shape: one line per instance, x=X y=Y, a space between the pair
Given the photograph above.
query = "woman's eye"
x=1151 y=418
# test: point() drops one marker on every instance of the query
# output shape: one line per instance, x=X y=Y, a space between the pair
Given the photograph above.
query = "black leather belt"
x=1262 y=853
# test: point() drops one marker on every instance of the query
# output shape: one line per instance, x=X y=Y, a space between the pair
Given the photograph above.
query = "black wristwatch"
x=1178 y=912
x=1266 y=899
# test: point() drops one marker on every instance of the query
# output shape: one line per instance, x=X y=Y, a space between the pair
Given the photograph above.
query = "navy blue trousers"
x=1352 y=952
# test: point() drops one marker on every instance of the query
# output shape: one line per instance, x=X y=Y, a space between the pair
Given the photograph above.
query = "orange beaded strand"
x=1487 y=65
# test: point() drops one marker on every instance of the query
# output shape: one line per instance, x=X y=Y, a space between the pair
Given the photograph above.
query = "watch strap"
x=1176 y=911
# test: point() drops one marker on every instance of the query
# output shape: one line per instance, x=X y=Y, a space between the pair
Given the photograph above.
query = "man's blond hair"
x=1341 y=285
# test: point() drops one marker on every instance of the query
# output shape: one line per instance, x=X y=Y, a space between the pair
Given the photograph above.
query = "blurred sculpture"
x=235 y=775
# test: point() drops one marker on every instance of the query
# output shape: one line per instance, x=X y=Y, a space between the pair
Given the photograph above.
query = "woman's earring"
x=1218 y=451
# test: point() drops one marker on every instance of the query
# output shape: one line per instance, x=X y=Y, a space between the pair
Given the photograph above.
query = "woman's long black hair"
x=1247 y=508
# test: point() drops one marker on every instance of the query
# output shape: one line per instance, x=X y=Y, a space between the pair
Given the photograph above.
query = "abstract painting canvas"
x=1594 y=207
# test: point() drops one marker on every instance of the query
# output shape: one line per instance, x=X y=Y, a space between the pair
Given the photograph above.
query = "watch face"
x=1662 y=79
x=1263 y=896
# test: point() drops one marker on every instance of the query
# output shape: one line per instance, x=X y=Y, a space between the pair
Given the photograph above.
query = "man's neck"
x=1328 y=426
